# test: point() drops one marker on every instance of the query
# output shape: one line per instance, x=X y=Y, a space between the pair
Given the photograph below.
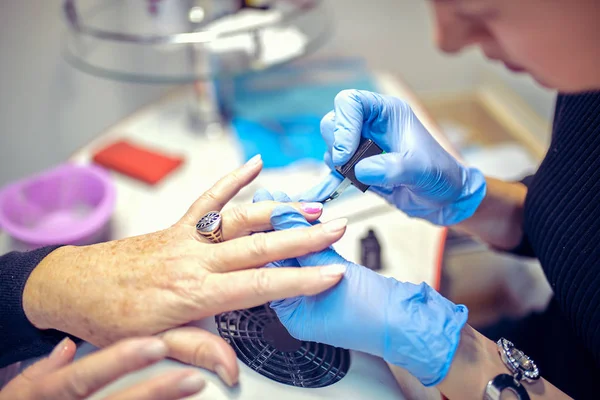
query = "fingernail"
x=224 y=375
x=154 y=349
x=333 y=270
x=336 y=225
x=253 y=161
x=191 y=384
x=59 y=349
x=311 y=208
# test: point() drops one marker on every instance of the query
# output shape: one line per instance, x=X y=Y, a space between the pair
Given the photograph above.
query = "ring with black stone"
x=209 y=226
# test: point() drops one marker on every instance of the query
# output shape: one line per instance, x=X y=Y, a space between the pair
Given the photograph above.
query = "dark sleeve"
x=19 y=339
x=524 y=248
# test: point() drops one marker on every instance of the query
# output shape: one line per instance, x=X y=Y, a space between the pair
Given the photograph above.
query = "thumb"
x=286 y=217
x=262 y=195
x=386 y=170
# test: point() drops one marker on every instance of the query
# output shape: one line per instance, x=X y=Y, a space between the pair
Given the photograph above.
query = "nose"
x=453 y=32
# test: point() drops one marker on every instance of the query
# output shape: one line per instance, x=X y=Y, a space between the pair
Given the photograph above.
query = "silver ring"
x=209 y=226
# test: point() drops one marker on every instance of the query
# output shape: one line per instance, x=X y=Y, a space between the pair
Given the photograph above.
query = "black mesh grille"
x=264 y=345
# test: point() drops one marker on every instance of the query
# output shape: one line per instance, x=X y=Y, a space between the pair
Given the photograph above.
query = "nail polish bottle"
x=370 y=251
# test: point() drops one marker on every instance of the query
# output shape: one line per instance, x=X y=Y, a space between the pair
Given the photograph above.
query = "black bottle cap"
x=366 y=148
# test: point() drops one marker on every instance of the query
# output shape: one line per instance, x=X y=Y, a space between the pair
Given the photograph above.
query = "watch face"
x=516 y=361
x=522 y=359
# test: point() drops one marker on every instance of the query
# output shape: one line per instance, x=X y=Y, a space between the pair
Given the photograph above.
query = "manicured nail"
x=334 y=271
x=336 y=225
x=224 y=375
x=191 y=384
x=311 y=208
x=154 y=349
x=59 y=349
x=253 y=161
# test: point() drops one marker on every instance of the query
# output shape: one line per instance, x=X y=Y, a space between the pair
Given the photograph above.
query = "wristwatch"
x=521 y=367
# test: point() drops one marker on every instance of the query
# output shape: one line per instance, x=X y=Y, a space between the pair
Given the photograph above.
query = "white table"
x=412 y=249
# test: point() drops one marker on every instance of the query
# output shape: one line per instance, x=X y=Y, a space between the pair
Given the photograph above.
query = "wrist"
x=476 y=362
x=427 y=349
x=498 y=220
x=40 y=292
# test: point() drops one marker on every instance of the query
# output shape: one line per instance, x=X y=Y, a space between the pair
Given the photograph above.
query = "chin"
x=554 y=84
x=567 y=85
x=544 y=83
x=520 y=70
x=572 y=87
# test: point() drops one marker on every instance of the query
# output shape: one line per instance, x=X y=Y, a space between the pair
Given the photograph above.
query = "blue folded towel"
x=278 y=113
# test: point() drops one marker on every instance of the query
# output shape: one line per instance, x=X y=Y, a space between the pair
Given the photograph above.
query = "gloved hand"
x=416 y=174
x=409 y=325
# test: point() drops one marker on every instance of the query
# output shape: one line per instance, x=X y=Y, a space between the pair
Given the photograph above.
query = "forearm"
x=476 y=362
x=79 y=280
x=43 y=306
x=498 y=220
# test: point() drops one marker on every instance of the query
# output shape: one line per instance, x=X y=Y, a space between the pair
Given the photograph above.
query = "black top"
x=562 y=215
x=562 y=229
x=19 y=339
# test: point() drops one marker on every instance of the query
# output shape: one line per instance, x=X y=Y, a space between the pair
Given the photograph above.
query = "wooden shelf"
x=492 y=114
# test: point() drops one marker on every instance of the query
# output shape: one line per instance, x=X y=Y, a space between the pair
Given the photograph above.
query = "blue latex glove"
x=416 y=174
x=409 y=325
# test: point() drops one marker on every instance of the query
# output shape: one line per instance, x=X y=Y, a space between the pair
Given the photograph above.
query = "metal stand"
x=191 y=42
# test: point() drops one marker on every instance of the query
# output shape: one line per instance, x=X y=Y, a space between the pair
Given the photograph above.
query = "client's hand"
x=57 y=377
x=155 y=283
x=411 y=326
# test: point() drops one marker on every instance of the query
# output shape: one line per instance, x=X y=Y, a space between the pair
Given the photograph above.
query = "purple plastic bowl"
x=66 y=205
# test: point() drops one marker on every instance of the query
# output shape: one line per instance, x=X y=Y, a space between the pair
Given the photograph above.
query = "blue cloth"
x=277 y=113
x=280 y=142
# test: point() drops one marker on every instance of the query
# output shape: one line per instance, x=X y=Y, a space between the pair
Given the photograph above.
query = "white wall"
x=47 y=108
x=540 y=99
x=396 y=36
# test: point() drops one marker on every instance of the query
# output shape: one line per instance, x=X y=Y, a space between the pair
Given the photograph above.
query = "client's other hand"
x=58 y=377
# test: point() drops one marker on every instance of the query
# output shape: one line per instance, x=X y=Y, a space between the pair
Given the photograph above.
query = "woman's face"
x=555 y=41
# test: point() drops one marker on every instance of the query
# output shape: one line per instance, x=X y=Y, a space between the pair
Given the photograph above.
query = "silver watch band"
x=503 y=382
x=522 y=368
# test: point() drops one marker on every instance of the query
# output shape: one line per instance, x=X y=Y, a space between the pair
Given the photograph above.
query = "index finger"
x=87 y=375
x=327 y=127
x=352 y=108
x=349 y=117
